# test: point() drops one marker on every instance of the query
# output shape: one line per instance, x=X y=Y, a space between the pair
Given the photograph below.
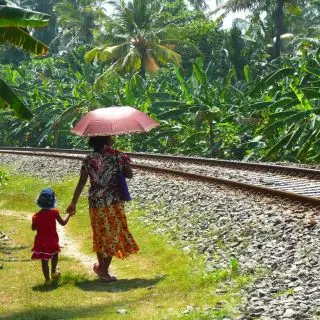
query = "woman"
x=111 y=236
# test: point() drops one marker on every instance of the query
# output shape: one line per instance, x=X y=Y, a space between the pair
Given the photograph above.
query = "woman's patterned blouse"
x=103 y=168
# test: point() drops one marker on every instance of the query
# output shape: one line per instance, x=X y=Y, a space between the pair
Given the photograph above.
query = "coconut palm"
x=13 y=24
x=77 y=20
x=277 y=8
x=138 y=44
x=199 y=4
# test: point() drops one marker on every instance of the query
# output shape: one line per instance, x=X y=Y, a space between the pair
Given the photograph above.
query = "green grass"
x=158 y=283
x=284 y=293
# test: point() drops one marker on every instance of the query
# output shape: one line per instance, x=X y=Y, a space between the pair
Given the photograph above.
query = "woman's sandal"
x=97 y=270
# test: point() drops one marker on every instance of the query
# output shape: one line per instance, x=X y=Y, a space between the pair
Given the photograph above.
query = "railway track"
x=293 y=183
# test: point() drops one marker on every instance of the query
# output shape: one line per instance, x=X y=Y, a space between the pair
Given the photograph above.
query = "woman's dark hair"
x=98 y=142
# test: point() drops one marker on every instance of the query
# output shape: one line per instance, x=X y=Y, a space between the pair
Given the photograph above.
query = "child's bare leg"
x=45 y=269
x=54 y=263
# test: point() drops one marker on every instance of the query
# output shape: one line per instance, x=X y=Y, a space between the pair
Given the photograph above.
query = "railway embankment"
x=259 y=233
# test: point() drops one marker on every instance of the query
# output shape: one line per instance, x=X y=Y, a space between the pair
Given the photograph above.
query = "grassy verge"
x=161 y=282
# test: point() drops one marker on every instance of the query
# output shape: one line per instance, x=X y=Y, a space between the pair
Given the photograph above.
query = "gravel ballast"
x=261 y=233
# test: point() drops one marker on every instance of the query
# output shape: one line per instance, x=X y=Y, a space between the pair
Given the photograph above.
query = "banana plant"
x=13 y=28
x=289 y=109
x=195 y=118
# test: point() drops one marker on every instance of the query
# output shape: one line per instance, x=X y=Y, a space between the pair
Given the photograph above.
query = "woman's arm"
x=77 y=192
x=62 y=221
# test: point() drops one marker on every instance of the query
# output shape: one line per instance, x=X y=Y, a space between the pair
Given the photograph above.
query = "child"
x=46 y=243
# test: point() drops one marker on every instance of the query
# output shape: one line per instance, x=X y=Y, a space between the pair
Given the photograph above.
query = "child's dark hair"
x=98 y=142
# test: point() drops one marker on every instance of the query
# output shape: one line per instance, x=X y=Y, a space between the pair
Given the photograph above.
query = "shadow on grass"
x=7 y=248
x=14 y=259
x=43 y=288
x=121 y=285
x=69 y=278
x=52 y=313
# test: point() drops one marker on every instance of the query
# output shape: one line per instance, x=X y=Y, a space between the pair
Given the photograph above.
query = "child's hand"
x=71 y=209
x=71 y=214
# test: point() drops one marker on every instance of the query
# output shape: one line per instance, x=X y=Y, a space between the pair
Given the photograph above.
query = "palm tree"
x=199 y=4
x=77 y=19
x=13 y=24
x=138 y=44
x=277 y=8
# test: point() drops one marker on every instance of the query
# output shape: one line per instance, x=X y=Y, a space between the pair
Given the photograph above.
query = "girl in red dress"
x=46 y=243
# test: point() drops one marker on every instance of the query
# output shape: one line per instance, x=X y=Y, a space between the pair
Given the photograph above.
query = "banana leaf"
x=281 y=114
x=171 y=114
x=256 y=106
x=305 y=104
x=271 y=78
x=7 y=95
x=296 y=136
x=21 y=38
x=299 y=115
x=303 y=151
x=277 y=147
x=18 y=17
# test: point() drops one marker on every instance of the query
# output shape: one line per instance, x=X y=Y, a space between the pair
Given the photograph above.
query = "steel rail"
x=314 y=173
x=314 y=202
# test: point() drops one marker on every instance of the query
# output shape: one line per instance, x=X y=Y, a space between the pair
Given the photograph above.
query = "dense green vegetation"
x=250 y=92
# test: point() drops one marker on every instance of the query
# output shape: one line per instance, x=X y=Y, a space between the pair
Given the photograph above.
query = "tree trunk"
x=279 y=24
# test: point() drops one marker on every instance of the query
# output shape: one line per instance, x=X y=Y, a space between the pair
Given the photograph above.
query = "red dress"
x=46 y=242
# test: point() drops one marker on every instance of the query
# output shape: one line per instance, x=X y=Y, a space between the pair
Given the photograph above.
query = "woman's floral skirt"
x=111 y=236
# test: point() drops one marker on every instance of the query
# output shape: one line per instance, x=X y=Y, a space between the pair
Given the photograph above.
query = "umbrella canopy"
x=113 y=121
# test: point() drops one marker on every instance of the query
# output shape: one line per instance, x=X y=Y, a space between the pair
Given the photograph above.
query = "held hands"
x=71 y=209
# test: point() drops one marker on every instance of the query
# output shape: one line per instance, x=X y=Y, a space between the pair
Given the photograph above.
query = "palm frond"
x=149 y=64
x=165 y=55
x=131 y=62
x=238 y=5
x=107 y=53
x=67 y=13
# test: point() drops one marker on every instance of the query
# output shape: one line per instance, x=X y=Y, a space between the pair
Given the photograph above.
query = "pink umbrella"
x=113 y=121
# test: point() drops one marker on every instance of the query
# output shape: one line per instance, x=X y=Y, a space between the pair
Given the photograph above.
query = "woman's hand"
x=72 y=209
x=127 y=171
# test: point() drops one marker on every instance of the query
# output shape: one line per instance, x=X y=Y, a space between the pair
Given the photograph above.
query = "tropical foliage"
x=232 y=101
